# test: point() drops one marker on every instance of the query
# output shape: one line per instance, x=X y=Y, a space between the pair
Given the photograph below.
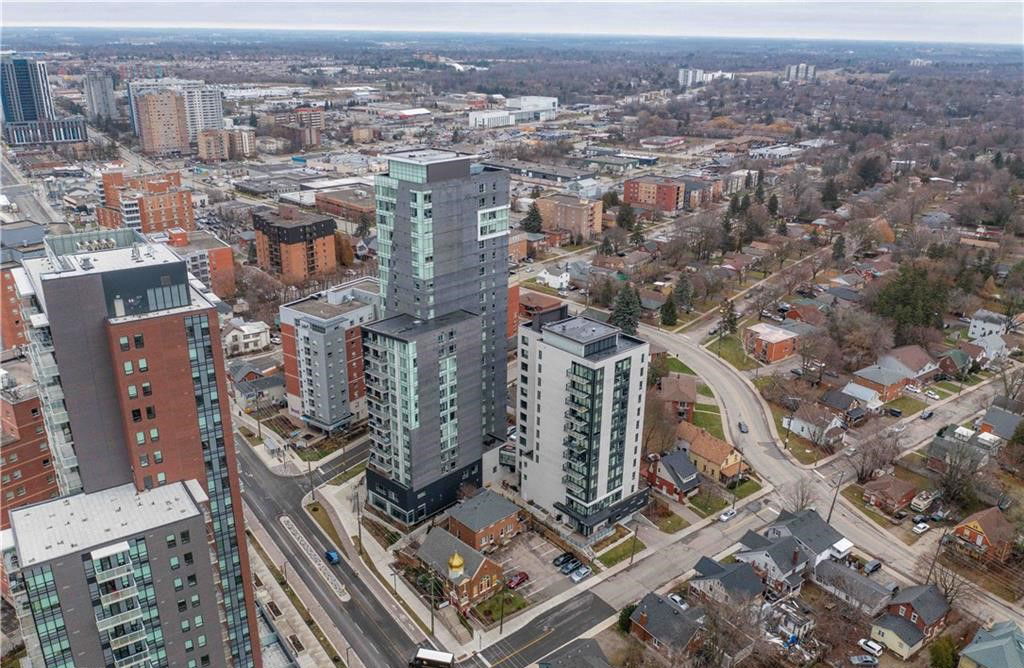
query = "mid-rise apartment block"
x=226 y=144
x=312 y=117
x=801 y=72
x=28 y=112
x=350 y=203
x=147 y=203
x=161 y=122
x=203 y=105
x=128 y=358
x=581 y=217
x=443 y=228
x=661 y=193
x=26 y=467
x=100 y=101
x=294 y=245
x=690 y=76
x=209 y=259
x=580 y=408
x=322 y=341
x=120 y=577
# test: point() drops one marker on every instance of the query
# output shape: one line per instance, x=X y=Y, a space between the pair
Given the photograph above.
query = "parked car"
x=797 y=372
x=872 y=566
x=898 y=428
x=276 y=340
x=580 y=574
x=563 y=293
x=896 y=412
x=678 y=600
x=562 y=558
x=332 y=557
x=851 y=451
x=933 y=395
x=871 y=647
x=517 y=579
x=744 y=429
x=571 y=565
x=920 y=528
x=913 y=389
x=863 y=660
x=927 y=415
x=727 y=515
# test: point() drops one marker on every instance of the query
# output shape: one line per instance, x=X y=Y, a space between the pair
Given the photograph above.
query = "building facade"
x=129 y=361
x=321 y=337
x=294 y=245
x=581 y=217
x=655 y=192
x=161 y=122
x=218 y=145
x=150 y=203
x=203 y=105
x=28 y=113
x=580 y=414
x=209 y=259
x=100 y=101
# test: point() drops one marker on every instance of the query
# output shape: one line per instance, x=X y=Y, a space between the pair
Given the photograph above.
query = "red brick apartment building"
x=655 y=192
x=294 y=245
x=149 y=203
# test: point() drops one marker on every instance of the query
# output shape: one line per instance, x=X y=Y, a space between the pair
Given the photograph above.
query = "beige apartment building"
x=231 y=144
x=581 y=217
x=162 y=119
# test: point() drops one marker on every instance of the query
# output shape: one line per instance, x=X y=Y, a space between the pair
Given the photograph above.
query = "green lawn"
x=708 y=408
x=731 y=350
x=706 y=503
x=317 y=452
x=853 y=493
x=533 y=284
x=710 y=421
x=941 y=392
x=344 y=477
x=705 y=391
x=491 y=609
x=950 y=387
x=909 y=405
x=320 y=515
x=918 y=480
x=746 y=488
x=675 y=364
x=621 y=551
x=671 y=523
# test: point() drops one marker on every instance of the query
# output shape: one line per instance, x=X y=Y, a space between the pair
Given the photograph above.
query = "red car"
x=517 y=579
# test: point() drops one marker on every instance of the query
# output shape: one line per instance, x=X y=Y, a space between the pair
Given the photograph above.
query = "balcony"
x=140 y=658
x=119 y=595
x=114 y=572
x=107 y=623
x=128 y=639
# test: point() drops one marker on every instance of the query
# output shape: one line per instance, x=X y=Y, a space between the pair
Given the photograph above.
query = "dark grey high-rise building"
x=443 y=249
x=25 y=89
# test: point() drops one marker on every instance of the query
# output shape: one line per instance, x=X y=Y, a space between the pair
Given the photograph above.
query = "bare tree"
x=801 y=495
x=878 y=451
x=1012 y=380
x=961 y=465
x=955 y=587
x=659 y=425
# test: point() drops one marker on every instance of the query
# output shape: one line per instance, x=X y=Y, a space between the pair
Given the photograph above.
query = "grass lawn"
x=344 y=477
x=918 y=480
x=491 y=609
x=708 y=408
x=853 y=494
x=731 y=350
x=671 y=523
x=706 y=503
x=941 y=392
x=746 y=488
x=705 y=391
x=909 y=405
x=616 y=534
x=533 y=284
x=805 y=451
x=949 y=386
x=320 y=515
x=677 y=365
x=621 y=551
x=317 y=452
x=710 y=421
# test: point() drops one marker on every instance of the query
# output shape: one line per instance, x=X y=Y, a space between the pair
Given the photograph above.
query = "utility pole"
x=501 y=613
x=359 y=521
x=935 y=557
x=632 y=550
x=839 y=483
x=432 y=583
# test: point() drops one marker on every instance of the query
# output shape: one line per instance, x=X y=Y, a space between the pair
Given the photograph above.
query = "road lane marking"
x=524 y=647
x=818 y=473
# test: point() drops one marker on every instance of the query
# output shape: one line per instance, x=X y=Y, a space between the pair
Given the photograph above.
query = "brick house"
x=672 y=474
x=769 y=343
x=711 y=456
x=678 y=391
x=467 y=575
x=889 y=493
x=666 y=627
x=914 y=616
x=985 y=535
x=886 y=382
x=485 y=521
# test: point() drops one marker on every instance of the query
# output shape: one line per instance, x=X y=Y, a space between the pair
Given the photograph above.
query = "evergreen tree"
x=745 y=202
x=773 y=205
x=839 y=248
x=747 y=181
x=727 y=230
x=606 y=246
x=730 y=319
x=637 y=237
x=626 y=311
x=610 y=199
x=759 y=193
x=533 y=221
x=760 y=177
x=626 y=217
x=998 y=160
x=781 y=228
x=669 y=316
x=830 y=194
x=251 y=254
x=683 y=293
x=734 y=204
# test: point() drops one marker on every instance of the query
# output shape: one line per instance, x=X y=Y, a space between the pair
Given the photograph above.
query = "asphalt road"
x=376 y=637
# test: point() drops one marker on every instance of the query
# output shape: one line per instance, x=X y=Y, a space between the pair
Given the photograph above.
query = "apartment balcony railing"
x=114 y=572
x=128 y=639
x=119 y=595
x=107 y=623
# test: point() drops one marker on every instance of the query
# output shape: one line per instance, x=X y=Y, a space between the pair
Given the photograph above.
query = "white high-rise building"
x=580 y=406
x=99 y=95
x=204 y=105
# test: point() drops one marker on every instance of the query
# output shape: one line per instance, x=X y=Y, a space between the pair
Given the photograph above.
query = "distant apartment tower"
x=128 y=353
x=204 y=105
x=321 y=336
x=100 y=101
x=662 y=193
x=801 y=72
x=294 y=245
x=118 y=577
x=312 y=117
x=161 y=122
x=209 y=259
x=26 y=466
x=28 y=112
x=148 y=203
x=228 y=144
x=581 y=410
x=443 y=229
x=689 y=76
x=581 y=217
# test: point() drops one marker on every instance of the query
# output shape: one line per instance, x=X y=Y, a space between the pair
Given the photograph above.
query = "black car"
x=743 y=427
x=562 y=558
x=571 y=565
x=896 y=412
x=927 y=415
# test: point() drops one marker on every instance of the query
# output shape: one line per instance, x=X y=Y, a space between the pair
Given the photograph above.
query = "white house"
x=994 y=346
x=556 y=281
x=242 y=337
x=985 y=322
x=817 y=424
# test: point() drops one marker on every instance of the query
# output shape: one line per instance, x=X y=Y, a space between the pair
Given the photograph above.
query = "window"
x=154 y=434
x=143 y=364
x=197 y=621
x=178 y=584
x=133 y=392
x=143 y=461
x=161 y=478
x=185 y=625
x=175 y=563
x=182 y=606
x=139 y=341
x=140 y=437
x=158 y=457
x=194 y=600
x=185 y=538
x=123 y=341
x=147 y=389
x=913 y=616
x=171 y=540
x=136 y=415
x=201 y=639
x=128 y=369
x=903 y=611
x=189 y=645
x=191 y=580
x=150 y=412
x=188 y=559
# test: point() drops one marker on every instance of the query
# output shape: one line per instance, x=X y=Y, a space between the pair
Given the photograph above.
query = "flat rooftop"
x=582 y=330
x=405 y=326
x=298 y=219
x=197 y=240
x=74 y=524
x=320 y=307
x=426 y=156
x=103 y=260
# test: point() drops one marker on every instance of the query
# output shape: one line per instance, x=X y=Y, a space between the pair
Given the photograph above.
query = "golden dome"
x=455 y=562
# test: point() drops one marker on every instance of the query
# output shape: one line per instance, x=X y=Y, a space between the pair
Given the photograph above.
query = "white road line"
x=818 y=473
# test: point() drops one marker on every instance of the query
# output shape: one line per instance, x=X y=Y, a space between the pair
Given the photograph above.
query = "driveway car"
x=914 y=389
x=571 y=565
x=678 y=600
x=727 y=515
x=927 y=415
x=933 y=395
x=920 y=528
x=871 y=647
x=863 y=660
x=562 y=558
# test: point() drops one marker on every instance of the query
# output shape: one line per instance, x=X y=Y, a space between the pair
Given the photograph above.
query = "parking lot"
x=531 y=553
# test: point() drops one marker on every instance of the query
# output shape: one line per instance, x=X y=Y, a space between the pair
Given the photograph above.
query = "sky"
x=961 y=21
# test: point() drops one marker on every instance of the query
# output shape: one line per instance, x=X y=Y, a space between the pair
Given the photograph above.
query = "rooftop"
x=73 y=524
x=405 y=326
x=582 y=330
x=325 y=306
x=483 y=509
x=292 y=217
x=426 y=156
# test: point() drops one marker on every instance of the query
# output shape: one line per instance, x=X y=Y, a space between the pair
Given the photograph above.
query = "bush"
x=624 y=616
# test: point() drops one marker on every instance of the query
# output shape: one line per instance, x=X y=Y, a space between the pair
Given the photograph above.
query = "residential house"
x=1003 y=417
x=1000 y=646
x=811 y=314
x=769 y=343
x=711 y=456
x=469 y=577
x=889 y=493
x=672 y=474
x=986 y=535
x=786 y=621
x=624 y=263
x=485 y=521
x=813 y=533
x=554 y=281
x=737 y=583
x=853 y=280
x=666 y=627
x=651 y=300
x=954 y=363
x=580 y=653
x=912 y=362
x=964 y=447
x=870 y=399
x=975 y=352
x=843 y=297
x=886 y=382
x=817 y=424
x=846 y=407
x=780 y=562
x=996 y=346
x=985 y=322
x=260 y=392
x=853 y=588
x=913 y=617
x=242 y=338
x=531 y=303
x=678 y=392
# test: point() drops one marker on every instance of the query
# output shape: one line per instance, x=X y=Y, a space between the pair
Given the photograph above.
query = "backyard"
x=731 y=350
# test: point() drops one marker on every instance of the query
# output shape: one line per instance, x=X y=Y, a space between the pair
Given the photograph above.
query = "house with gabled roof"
x=665 y=626
x=813 y=533
x=986 y=536
x=817 y=424
x=468 y=576
x=711 y=456
x=672 y=474
x=913 y=362
x=889 y=493
x=1000 y=646
x=1003 y=417
x=736 y=583
x=781 y=562
x=888 y=383
x=678 y=392
x=853 y=588
x=486 y=520
x=913 y=616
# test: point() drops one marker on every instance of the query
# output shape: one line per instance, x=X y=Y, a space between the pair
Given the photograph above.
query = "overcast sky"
x=962 y=21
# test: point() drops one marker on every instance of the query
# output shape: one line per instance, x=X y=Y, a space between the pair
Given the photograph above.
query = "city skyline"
x=926 y=22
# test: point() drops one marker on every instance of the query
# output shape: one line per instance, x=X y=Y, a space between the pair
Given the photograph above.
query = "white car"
x=580 y=574
x=914 y=389
x=871 y=647
x=933 y=395
x=276 y=340
x=678 y=600
x=920 y=528
x=727 y=515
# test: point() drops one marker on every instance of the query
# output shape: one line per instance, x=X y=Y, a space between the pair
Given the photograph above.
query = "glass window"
x=136 y=415
x=140 y=437
x=161 y=478
x=123 y=341
x=154 y=434
x=175 y=563
x=158 y=457
x=147 y=389
x=139 y=341
x=197 y=621
x=178 y=584
x=143 y=461
x=132 y=391
x=143 y=364
x=128 y=369
x=150 y=412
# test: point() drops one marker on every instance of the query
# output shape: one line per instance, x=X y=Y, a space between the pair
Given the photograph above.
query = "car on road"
x=571 y=565
x=332 y=557
x=562 y=558
x=927 y=415
x=933 y=395
x=920 y=528
x=872 y=566
x=563 y=293
x=871 y=647
x=727 y=515
x=744 y=429
x=580 y=574
x=517 y=579
x=276 y=340
x=863 y=660
x=678 y=600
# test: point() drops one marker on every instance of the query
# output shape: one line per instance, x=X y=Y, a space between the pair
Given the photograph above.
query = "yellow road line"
x=524 y=647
